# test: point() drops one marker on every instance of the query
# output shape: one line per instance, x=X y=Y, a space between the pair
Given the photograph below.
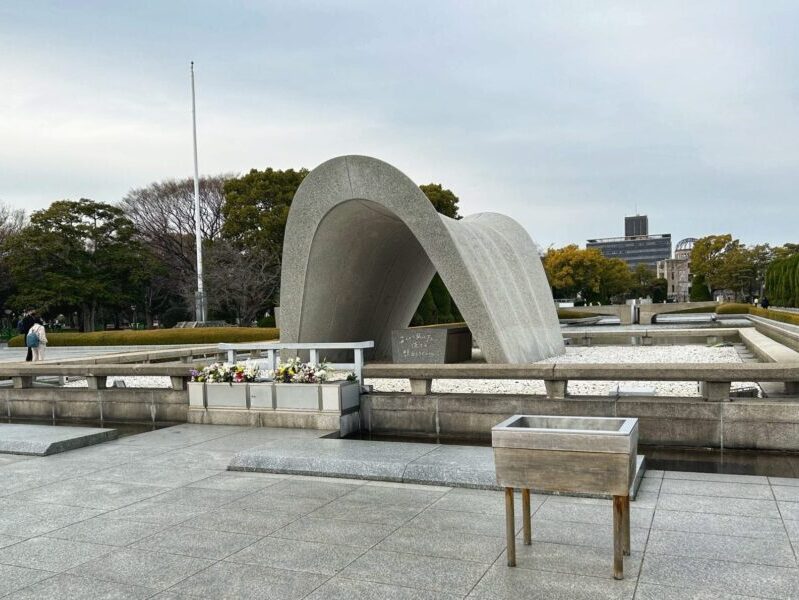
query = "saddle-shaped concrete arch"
x=362 y=244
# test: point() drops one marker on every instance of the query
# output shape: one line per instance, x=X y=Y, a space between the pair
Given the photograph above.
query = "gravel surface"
x=593 y=354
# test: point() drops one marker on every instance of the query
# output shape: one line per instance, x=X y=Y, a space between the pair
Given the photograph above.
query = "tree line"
x=134 y=260
x=586 y=273
x=719 y=264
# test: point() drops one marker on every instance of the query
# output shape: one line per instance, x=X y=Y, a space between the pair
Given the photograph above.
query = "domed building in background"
x=684 y=248
x=677 y=271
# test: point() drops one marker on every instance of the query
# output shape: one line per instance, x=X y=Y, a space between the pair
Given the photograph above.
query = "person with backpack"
x=36 y=340
x=23 y=327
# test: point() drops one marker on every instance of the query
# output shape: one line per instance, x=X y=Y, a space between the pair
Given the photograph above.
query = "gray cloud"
x=566 y=116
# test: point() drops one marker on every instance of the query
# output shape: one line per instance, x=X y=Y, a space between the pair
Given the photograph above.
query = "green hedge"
x=570 y=313
x=157 y=337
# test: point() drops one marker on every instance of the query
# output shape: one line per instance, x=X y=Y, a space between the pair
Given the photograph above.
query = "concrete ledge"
x=266 y=418
x=740 y=423
x=430 y=464
x=42 y=440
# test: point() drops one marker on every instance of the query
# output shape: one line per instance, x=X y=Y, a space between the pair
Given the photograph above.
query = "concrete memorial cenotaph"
x=362 y=244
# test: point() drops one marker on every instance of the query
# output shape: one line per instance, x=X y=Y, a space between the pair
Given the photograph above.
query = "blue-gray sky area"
x=565 y=115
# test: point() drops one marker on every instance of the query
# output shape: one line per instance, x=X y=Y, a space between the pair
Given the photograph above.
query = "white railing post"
x=314 y=356
x=358 y=358
x=231 y=356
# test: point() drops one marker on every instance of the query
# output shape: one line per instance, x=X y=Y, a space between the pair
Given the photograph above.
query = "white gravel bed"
x=593 y=354
x=131 y=382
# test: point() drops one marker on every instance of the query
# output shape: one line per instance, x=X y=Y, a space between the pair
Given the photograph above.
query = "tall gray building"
x=637 y=247
x=637 y=225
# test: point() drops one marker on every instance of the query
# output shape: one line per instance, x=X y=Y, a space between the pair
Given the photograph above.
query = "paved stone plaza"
x=157 y=516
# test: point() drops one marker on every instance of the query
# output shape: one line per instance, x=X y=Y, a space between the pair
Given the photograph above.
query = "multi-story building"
x=637 y=247
x=677 y=271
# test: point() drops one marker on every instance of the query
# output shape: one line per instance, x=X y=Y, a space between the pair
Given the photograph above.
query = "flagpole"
x=200 y=313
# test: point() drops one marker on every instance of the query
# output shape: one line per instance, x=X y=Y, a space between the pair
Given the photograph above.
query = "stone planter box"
x=226 y=395
x=341 y=396
x=262 y=396
x=567 y=455
x=196 y=394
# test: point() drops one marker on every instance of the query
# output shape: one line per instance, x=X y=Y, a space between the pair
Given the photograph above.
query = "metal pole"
x=200 y=313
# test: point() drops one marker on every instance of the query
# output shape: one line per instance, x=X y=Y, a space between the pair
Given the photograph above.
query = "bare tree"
x=242 y=281
x=163 y=213
x=11 y=221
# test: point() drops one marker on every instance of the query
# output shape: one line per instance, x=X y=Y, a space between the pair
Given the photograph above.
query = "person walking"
x=39 y=344
x=23 y=327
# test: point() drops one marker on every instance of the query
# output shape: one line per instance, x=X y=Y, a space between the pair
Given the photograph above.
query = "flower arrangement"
x=226 y=373
x=296 y=371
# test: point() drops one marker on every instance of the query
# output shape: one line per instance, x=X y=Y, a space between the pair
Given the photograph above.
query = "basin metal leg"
x=510 y=527
x=618 y=535
x=626 y=524
x=526 y=517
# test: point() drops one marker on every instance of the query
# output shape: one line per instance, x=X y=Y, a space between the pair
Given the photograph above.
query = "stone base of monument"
x=436 y=344
x=333 y=405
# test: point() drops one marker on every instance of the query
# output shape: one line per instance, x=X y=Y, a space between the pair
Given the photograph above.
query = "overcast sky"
x=566 y=116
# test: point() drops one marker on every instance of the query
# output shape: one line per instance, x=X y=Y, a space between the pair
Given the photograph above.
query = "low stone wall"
x=82 y=404
x=745 y=424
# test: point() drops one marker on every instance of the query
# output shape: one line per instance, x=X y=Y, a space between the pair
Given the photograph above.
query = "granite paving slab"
x=32 y=519
x=151 y=474
x=237 y=520
x=348 y=509
x=417 y=463
x=295 y=555
x=50 y=554
x=332 y=531
x=244 y=482
x=564 y=558
x=751 y=526
x=333 y=457
x=584 y=534
x=724 y=506
x=423 y=572
x=232 y=580
x=342 y=588
x=105 y=495
x=102 y=530
x=721 y=576
x=716 y=488
x=459 y=545
x=156 y=570
x=14 y=578
x=71 y=587
x=651 y=591
x=766 y=551
x=189 y=541
x=43 y=440
x=504 y=583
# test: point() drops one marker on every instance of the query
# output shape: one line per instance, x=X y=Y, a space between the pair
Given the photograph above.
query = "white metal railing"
x=273 y=348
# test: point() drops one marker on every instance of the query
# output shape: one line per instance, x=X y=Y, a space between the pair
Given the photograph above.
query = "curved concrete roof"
x=363 y=242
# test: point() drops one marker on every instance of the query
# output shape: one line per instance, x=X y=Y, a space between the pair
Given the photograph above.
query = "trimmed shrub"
x=570 y=313
x=157 y=337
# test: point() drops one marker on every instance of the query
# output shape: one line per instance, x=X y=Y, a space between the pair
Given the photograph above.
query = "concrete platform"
x=42 y=440
x=157 y=515
x=403 y=462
